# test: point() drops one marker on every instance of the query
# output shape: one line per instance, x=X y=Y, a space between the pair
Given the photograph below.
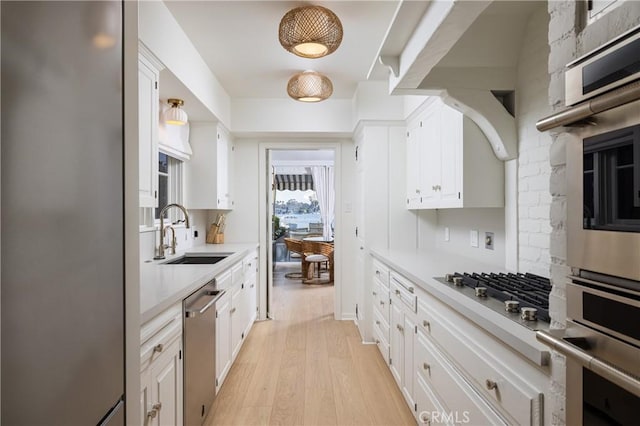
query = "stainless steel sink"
x=196 y=260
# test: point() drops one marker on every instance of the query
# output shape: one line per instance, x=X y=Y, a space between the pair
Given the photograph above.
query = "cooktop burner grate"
x=530 y=290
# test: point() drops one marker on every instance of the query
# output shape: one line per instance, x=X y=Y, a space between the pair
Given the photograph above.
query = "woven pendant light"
x=310 y=31
x=309 y=86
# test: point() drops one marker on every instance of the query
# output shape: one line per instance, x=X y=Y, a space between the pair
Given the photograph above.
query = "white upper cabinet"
x=148 y=76
x=450 y=163
x=414 y=185
x=209 y=172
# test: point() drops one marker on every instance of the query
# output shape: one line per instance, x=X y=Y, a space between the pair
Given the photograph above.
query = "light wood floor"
x=305 y=368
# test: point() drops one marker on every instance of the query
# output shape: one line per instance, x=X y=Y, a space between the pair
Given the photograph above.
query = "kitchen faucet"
x=162 y=246
x=174 y=242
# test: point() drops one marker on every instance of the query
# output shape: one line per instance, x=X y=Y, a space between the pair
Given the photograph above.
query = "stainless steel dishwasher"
x=199 y=352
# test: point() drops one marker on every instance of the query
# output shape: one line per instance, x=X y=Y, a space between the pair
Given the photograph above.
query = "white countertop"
x=163 y=285
x=421 y=266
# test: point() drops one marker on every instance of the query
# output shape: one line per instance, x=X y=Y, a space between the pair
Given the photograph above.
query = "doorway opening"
x=302 y=233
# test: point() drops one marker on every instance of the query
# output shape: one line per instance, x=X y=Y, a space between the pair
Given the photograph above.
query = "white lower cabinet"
x=161 y=361
x=237 y=320
x=161 y=369
x=460 y=403
x=250 y=302
x=448 y=369
x=396 y=345
x=381 y=308
x=235 y=312
x=223 y=334
x=428 y=408
x=402 y=331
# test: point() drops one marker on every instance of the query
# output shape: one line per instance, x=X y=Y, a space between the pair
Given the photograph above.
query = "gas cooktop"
x=524 y=298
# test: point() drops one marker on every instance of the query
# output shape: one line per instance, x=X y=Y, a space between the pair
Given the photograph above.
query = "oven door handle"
x=590 y=362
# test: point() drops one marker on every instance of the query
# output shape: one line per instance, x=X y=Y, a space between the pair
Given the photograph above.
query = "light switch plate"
x=474 y=238
x=446 y=233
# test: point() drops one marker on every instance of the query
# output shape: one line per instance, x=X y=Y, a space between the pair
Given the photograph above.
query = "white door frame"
x=265 y=228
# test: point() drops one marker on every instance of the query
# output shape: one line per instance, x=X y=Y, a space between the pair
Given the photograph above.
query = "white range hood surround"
x=461 y=51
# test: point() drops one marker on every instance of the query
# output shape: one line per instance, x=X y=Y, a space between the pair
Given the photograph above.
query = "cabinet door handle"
x=426 y=324
x=417 y=191
x=374 y=293
x=491 y=385
x=377 y=341
x=377 y=322
x=377 y=272
x=158 y=348
x=411 y=290
x=397 y=292
x=426 y=367
x=382 y=303
x=233 y=310
x=400 y=328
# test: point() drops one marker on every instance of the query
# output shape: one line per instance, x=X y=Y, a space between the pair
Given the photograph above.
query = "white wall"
x=264 y=116
x=243 y=220
x=403 y=224
x=372 y=102
x=460 y=223
x=534 y=170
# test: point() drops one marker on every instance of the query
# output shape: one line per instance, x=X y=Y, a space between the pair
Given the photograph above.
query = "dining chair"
x=294 y=247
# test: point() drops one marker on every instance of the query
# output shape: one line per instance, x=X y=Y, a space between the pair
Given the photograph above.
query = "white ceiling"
x=239 y=41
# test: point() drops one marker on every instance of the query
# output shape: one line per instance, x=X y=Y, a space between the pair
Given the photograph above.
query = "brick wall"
x=568 y=39
x=534 y=171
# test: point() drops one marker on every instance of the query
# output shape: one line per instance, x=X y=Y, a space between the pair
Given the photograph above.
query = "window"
x=169 y=185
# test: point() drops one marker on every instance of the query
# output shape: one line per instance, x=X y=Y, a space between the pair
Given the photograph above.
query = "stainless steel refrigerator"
x=62 y=243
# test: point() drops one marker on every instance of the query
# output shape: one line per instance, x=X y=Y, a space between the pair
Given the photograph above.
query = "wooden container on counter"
x=214 y=236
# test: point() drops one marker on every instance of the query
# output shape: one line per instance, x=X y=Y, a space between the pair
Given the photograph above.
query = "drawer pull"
x=382 y=303
x=426 y=367
x=410 y=289
x=158 y=348
x=377 y=341
x=374 y=293
x=424 y=418
x=400 y=328
x=426 y=324
x=377 y=322
x=233 y=310
x=491 y=385
x=397 y=292
x=377 y=272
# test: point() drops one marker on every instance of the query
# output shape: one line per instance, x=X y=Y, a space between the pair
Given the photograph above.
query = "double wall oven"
x=601 y=340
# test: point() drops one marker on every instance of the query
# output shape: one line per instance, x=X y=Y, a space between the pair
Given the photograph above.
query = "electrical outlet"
x=473 y=237
x=446 y=233
x=488 y=240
